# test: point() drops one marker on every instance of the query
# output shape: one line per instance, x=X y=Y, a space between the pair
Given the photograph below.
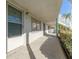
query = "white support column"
x=6 y=28
x=27 y=28
x=24 y=29
x=46 y=27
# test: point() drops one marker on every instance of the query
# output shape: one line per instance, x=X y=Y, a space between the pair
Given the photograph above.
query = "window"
x=36 y=25
x=14 y=22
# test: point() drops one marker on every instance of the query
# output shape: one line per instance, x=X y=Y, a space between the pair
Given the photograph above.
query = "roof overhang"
x=44 y=10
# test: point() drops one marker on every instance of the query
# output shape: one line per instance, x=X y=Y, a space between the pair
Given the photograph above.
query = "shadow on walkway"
x=49 y=35
x=31 y=54
x=51 y=48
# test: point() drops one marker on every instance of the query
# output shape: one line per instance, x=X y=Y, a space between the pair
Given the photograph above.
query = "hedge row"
x=66 y=37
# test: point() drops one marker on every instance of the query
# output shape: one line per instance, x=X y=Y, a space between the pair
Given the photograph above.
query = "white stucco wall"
x=15 y=42
x=35 y=34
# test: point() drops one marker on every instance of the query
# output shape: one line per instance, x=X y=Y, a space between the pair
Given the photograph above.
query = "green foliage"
x=66 y=37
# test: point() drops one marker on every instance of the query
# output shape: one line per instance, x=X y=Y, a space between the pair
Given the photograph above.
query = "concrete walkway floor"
x=46 y=47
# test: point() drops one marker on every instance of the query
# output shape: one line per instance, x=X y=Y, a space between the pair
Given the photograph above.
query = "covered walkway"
x=46 y=47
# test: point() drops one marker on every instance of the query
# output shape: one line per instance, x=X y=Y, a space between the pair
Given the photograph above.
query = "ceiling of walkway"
x=45 y=10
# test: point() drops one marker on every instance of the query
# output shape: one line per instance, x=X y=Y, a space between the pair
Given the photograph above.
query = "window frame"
x=16 y=10
x=36 y=22
x=22 y=16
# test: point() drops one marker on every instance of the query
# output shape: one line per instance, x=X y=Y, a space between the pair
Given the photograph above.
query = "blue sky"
x=65 y=7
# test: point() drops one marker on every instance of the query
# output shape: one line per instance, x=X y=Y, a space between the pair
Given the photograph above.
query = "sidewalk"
x=46 y=47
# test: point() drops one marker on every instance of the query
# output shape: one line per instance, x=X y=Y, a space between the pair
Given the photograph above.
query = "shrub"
x=66 y=37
